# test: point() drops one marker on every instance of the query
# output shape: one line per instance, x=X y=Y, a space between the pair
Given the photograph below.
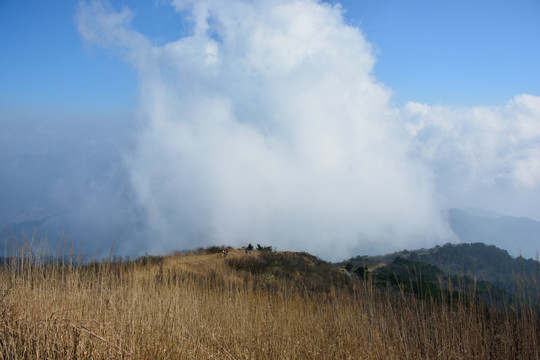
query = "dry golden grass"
x=194 y=306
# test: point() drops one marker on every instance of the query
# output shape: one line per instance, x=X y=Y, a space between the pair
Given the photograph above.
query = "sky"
x=445 y=52
x=332 y=127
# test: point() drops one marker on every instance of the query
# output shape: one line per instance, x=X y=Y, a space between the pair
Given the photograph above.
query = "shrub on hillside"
x=213 y=249
x=264 y=248
x=150 y=260
x=302 y=269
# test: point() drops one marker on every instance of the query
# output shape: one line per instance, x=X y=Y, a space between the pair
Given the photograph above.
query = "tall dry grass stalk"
x=193 y=306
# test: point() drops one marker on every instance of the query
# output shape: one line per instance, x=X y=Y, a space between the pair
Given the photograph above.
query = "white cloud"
x=480 y=146
x=267 y=125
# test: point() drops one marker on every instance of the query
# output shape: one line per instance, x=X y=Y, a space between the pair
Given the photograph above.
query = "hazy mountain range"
x=518 y=235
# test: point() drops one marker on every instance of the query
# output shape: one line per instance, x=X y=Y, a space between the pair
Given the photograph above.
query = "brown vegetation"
x=200 y=306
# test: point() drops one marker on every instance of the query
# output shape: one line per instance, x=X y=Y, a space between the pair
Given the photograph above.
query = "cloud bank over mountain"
x=482 y=155
x=266 y=124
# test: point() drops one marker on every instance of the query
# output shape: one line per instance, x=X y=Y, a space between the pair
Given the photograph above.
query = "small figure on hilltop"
x=224 y=252
x=249 y=249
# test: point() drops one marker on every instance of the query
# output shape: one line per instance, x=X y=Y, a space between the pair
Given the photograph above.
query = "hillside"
x=496 y=276
x=263 y=305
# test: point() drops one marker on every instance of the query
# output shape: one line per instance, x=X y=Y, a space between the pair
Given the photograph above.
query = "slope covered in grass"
x=198 y=305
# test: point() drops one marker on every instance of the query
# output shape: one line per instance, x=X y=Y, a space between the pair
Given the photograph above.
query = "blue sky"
x=453 y=52
x=435 y=52
x=254 y=128
x=45 y=65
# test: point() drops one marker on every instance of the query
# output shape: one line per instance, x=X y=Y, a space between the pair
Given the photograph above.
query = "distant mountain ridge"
x=474 y=211
x=519 y=235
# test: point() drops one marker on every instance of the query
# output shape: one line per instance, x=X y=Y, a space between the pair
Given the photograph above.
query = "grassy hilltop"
x=264 y=305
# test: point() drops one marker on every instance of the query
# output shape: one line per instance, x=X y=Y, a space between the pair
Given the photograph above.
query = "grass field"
x=198 y=305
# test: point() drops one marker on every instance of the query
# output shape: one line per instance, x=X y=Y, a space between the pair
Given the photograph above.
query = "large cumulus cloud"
x=266 y=124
